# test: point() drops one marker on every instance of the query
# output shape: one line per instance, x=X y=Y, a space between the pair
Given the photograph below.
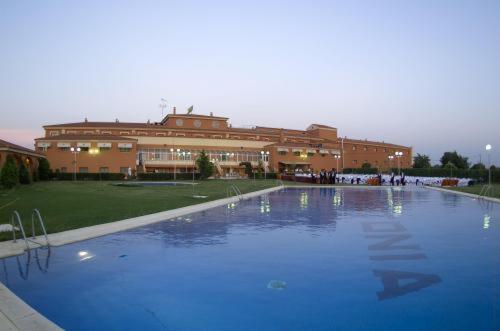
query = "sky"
x=423 y=73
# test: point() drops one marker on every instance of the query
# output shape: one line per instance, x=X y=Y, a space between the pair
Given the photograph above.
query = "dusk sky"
x=419 y=73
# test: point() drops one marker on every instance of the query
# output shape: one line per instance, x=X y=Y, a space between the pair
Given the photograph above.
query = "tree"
x=421 y=161
x=248 y=168
x=461 y=162
x=43 y=169
x=366 y=165
x=205 y=167
x=24 y=175
x=9 y=177
x=478 y=166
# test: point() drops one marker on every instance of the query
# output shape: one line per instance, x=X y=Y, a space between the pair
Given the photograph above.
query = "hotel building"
x=174 y=144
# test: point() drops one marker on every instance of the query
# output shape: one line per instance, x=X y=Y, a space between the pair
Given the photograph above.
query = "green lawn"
x=68 y=205
x=476 y=189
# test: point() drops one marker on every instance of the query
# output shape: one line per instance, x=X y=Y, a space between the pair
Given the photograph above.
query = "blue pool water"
x=296 y=259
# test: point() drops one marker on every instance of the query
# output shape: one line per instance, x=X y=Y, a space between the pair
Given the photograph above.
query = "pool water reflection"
x=296 y=259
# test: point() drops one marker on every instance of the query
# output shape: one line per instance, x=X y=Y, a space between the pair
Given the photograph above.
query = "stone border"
x=470 y=195
x=17 y=315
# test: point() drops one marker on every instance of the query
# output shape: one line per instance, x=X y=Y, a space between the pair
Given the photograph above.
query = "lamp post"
x=75 y=151
x=337 y=157
x=399 y=155
x=175 y=160
x=390 y=157
x=265 y=157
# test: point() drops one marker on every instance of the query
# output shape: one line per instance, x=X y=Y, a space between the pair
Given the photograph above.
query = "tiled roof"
x=103 y=124
x=11 y=146
x=101 y=137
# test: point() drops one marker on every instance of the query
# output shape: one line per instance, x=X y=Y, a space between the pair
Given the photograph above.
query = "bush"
x=24 y=175
x=9 y=177
x=43 y=169
x=167 y=176
x=262 y=175
x=368 y=171
x=88 y=176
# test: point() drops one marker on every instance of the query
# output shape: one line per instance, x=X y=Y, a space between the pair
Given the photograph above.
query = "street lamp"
x=399 y=155
x=337 y=157
x=75 y=151
x=390 y=157
x=175 y=160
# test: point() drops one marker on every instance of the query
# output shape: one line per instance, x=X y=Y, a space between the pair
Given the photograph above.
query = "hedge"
x=367 y=171
x=261 y=175
x=167 y=176
x=88 y=176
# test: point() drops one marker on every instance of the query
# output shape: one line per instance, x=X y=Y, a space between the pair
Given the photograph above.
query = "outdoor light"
x=171 y=149
x=488 y=147
x=178 y=150
x=262 y=152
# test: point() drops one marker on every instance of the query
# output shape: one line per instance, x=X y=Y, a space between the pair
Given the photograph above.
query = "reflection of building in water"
x=304 y=200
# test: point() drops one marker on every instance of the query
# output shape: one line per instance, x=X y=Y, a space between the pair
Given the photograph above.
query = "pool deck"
x=17 y=315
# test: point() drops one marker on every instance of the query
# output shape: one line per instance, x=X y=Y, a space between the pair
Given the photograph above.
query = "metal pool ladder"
x=34 y=215
x=234 y=189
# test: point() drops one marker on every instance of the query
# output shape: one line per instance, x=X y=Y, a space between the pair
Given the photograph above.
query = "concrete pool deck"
x=17 y=315
x=470 y=195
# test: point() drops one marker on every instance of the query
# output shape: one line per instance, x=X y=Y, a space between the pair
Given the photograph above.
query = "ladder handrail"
x=40 y=220
x=15 y=215
x=236 y=190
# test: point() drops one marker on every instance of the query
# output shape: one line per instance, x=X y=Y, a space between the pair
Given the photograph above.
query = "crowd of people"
x=333 y=177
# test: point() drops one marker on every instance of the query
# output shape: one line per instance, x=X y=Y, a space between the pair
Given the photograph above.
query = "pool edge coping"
x=18 y=315
x=470 y=195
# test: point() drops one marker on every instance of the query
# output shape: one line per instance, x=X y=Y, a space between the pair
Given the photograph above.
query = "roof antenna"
x=162 y=105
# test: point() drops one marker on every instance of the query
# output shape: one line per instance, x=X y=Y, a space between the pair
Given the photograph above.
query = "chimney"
x=86 y=120
x=174 y=110
x=211 y=114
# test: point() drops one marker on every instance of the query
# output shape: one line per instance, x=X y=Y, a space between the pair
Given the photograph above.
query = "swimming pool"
x=295 y=259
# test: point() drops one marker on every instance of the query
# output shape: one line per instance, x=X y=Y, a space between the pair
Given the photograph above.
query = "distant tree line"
x=449 y=160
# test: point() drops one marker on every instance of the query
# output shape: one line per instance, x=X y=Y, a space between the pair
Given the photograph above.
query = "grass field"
x=476 y=189
x=69 y=205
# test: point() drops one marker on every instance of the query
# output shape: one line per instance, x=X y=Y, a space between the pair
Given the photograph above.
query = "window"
x=125 y=149
x=103 y=170
x=158 y=134
x=83 y=170
x=64 y=170
x=71 y=132
x=84 y=149
x=180 y=134
x=282 y=153
x=375 y=150
x=54 y=133
x=216 y=136
x=106 y=132
x=365 y=148
x=124 y=133
x=104 y=148
x=354 y=161
x=88 y=132
x=42 y=148
x=179 y=122
x=353 y=148
x=385 y=150
x=63 y=148
x=124 y=170
x=142 y=133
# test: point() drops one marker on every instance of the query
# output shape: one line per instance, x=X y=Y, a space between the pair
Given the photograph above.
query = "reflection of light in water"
x=265 y=205
x=187 y=219
x=84 y=255
x=231 y=205
x=337 y=198
x=390 y=200
x=303 y=200
x=486 y=221
x=397 y=209
x=395 y=206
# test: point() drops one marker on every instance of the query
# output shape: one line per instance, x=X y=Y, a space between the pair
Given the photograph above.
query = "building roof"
x=322 y=126
x=102 y=124
x=101 y=137
x=5 y=145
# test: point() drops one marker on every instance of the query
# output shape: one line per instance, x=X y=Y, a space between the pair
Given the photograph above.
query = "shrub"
x=43 y=169
x=9 y=177
x=205 y=167
x=248 y=168
x=167 y=176
x=24 y=175
x=88 y=176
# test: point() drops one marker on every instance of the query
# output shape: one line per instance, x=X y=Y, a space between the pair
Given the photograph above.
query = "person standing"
x=392 y=179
